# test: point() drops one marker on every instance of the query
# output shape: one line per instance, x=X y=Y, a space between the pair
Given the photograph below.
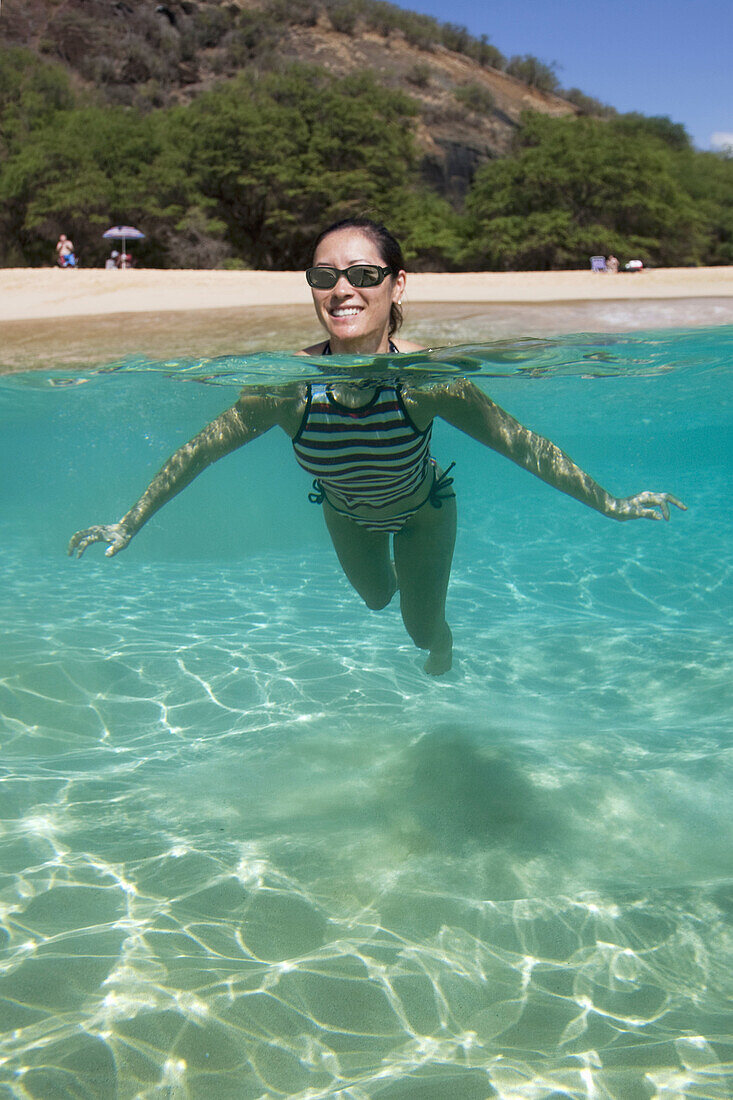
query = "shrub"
x=343 y=17
x=586 y=104
x=530 y=70
x=210 y=25
x=419 y=74
x=233 y=263
x=488 y=56
x=455 y=37
x=74 y=36
x=301 y=15
x=381 y=17
x=255 y=34
x=420 y=31
x=101 y=69
x=477 y=98
x=143 y=64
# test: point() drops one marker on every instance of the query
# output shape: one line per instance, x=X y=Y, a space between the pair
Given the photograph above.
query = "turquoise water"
x=248 y=849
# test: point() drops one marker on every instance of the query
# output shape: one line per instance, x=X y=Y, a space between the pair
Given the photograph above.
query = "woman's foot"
x=441 y=655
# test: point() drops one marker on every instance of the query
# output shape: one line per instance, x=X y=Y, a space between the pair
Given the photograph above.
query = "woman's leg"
x=423 y=552
x=364 y=558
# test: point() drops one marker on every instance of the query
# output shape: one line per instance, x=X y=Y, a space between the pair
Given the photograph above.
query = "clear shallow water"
x=248 y=849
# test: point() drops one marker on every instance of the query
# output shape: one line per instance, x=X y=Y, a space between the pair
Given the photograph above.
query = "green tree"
x=576 y=186
x=78 y=174
x=428 y=228
x=31 y=92
x=653 y=127
x=281 y=154
x=708 y=179
x=250 y=170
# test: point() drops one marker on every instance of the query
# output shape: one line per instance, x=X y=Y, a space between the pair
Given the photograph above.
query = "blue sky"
x=660 y=57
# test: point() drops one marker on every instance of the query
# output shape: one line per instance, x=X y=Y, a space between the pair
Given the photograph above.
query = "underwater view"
x=249 y=849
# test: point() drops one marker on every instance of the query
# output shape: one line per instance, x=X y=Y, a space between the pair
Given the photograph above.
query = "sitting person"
x=65 y=255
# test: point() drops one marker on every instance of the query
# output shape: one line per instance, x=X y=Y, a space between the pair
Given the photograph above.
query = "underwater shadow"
x=458 y=797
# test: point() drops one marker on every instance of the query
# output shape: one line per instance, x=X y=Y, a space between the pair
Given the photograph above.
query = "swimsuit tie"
x=436 y=495
x=319 y=496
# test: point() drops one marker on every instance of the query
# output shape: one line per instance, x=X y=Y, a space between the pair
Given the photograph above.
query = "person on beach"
x=367 y=444
x=65 y=255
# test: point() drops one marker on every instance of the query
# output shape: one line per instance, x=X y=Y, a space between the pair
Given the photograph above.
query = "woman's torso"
x=364 y=448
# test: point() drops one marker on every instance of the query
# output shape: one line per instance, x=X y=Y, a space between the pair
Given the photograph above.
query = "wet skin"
x=461 y=404
x=357 y=320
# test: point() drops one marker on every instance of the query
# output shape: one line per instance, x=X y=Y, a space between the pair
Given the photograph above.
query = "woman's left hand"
x=645 y=506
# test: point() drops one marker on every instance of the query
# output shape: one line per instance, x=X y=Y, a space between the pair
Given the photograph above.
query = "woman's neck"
x=362 y=345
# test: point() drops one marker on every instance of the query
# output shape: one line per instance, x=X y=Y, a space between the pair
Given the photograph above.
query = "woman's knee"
x=376 y=603
x=378 y=596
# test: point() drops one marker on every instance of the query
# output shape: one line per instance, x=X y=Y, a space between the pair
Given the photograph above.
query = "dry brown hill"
x=456 y=133
x=149 y=54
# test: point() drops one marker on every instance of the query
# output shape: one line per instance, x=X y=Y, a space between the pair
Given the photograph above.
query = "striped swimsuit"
x=372 y=455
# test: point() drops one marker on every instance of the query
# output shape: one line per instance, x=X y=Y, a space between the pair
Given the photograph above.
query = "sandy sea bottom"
x=249 y=849
x=88 y=341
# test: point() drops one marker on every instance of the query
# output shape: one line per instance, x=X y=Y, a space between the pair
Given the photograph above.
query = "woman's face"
x=357 y=317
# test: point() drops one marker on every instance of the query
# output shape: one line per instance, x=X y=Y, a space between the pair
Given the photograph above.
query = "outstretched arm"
x=466 y=407
x=252 y=415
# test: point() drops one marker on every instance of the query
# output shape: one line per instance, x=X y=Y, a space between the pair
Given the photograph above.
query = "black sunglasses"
x=359 y=275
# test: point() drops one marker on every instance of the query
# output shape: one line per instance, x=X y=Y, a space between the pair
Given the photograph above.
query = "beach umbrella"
x=123 y=233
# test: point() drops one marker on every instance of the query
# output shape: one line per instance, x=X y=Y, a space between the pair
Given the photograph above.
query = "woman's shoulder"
x=407 y=345
x=283 y=405
x=430 y=399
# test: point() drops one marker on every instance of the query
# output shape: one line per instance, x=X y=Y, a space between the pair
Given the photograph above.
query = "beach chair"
x=598 y=263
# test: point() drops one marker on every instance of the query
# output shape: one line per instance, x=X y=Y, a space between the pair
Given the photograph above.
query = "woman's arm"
x=251 y=416
x=467 y=408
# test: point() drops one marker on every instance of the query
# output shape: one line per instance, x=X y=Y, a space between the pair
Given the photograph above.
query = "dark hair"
x=389 y=250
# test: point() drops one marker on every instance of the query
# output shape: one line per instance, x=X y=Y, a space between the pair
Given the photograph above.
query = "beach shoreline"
x=35 y=293
x=75 y=319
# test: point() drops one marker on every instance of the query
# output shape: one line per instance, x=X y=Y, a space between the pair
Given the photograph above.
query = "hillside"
x=137 y=52
x=231 y=132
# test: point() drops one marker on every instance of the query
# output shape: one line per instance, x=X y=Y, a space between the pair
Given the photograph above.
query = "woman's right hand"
x=116 y=534
x=644 y=506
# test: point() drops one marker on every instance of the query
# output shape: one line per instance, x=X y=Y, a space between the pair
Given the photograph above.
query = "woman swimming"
x=367 y=445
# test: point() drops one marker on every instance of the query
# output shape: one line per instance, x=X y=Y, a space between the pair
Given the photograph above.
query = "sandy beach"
x=54 y=317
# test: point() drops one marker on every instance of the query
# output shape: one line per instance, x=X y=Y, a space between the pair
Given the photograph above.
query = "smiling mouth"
x=345 y=311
